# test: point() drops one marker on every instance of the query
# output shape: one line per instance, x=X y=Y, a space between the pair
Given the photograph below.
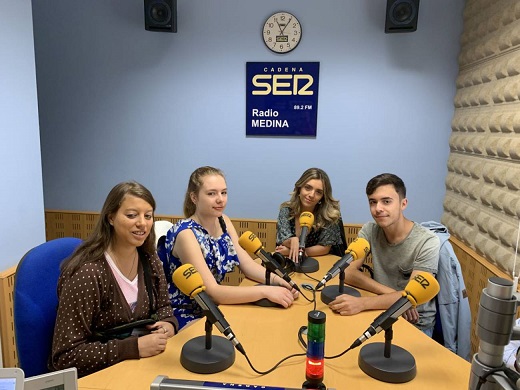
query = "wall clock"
x=282 y=32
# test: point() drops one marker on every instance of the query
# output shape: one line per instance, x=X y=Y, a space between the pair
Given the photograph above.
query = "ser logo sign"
x=283 y=84
x=423 y=282
x=189 y=272
x=282 y=98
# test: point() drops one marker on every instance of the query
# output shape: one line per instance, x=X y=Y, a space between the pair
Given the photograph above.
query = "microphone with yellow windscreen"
x=384 y=361
x=420 y=289
x=357 y=249
x=306 y=222
x=251 y=243
x=305 y=264
x=189 y=281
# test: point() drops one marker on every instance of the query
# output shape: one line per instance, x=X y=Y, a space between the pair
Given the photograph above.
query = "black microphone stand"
x=264 y=302
x=306 y=264
x=387 y=362
x=329 y=293
x=207 y=354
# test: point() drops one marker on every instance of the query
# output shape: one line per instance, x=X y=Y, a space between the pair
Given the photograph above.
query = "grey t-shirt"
x=393 y=263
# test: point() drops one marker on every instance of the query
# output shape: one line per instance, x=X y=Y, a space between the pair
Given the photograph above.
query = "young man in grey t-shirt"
x=400 y=249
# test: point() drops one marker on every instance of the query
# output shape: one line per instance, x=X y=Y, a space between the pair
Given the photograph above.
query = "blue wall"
x=21 y=193
x=117 y=102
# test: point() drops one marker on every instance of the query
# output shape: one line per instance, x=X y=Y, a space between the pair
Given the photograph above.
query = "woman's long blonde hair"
x=326 y=212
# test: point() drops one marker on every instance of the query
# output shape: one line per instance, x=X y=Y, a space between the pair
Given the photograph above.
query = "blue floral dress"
x=220 y=256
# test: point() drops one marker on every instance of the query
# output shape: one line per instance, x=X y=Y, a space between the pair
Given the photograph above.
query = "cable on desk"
x=339 y=354
x=304 y=344
x=275 y=366
x=311 y=277
x=308 y=287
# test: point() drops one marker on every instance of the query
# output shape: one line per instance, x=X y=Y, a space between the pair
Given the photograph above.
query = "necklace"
x=130 y=272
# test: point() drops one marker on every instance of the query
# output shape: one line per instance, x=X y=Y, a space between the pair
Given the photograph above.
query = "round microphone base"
x=399 y=368
x=196 y=358
x=307 y=266
x=264 y=302
x=329 y=293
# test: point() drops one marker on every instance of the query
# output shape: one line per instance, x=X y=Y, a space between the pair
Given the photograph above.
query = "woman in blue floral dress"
x=207 y=240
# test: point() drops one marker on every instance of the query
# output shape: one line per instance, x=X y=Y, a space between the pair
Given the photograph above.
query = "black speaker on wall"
x=160 y=15
x=401 y=16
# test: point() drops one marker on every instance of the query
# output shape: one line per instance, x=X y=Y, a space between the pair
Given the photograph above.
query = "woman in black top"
x=312 y=193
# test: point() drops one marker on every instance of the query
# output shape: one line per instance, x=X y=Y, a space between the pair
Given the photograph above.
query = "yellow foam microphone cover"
x=422 y=288
x=188 y=280
x=250 y=242
x=306 y=219
x=358 y=248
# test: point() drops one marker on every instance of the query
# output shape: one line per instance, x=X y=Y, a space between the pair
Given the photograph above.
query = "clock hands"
x=286 y=24
x=280 y=27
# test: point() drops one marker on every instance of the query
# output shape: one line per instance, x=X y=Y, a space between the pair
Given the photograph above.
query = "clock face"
x=282 y=32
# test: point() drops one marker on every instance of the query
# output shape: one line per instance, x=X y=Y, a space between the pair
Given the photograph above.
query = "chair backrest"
x=339 y=250
x=161 y=228
x=35 y=302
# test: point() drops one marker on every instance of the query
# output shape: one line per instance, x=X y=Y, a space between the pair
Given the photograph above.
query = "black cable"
x=275 y=366
x=513 y=375
x=304 y=344
x=311 y=277
x=483 y=379
x=339 y=354
x=300 y=336
x=290 y=272
x=308 y=287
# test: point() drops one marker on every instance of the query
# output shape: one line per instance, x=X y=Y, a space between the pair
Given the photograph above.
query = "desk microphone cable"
x=276 y=365
x=303 y=329
x=306 y=287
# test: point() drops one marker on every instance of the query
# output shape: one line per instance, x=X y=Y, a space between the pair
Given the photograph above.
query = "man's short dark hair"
x=385 y=179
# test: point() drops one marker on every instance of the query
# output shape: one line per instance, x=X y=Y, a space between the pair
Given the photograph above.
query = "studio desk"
x=269 y=334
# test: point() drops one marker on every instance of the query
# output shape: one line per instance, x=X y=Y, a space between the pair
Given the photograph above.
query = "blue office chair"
x=35 y=302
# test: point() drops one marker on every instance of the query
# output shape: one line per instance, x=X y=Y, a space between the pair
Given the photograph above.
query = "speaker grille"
x=160 y=15
x=401 y=15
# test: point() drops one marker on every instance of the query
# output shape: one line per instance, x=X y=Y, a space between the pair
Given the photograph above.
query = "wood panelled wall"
x=476 y=269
